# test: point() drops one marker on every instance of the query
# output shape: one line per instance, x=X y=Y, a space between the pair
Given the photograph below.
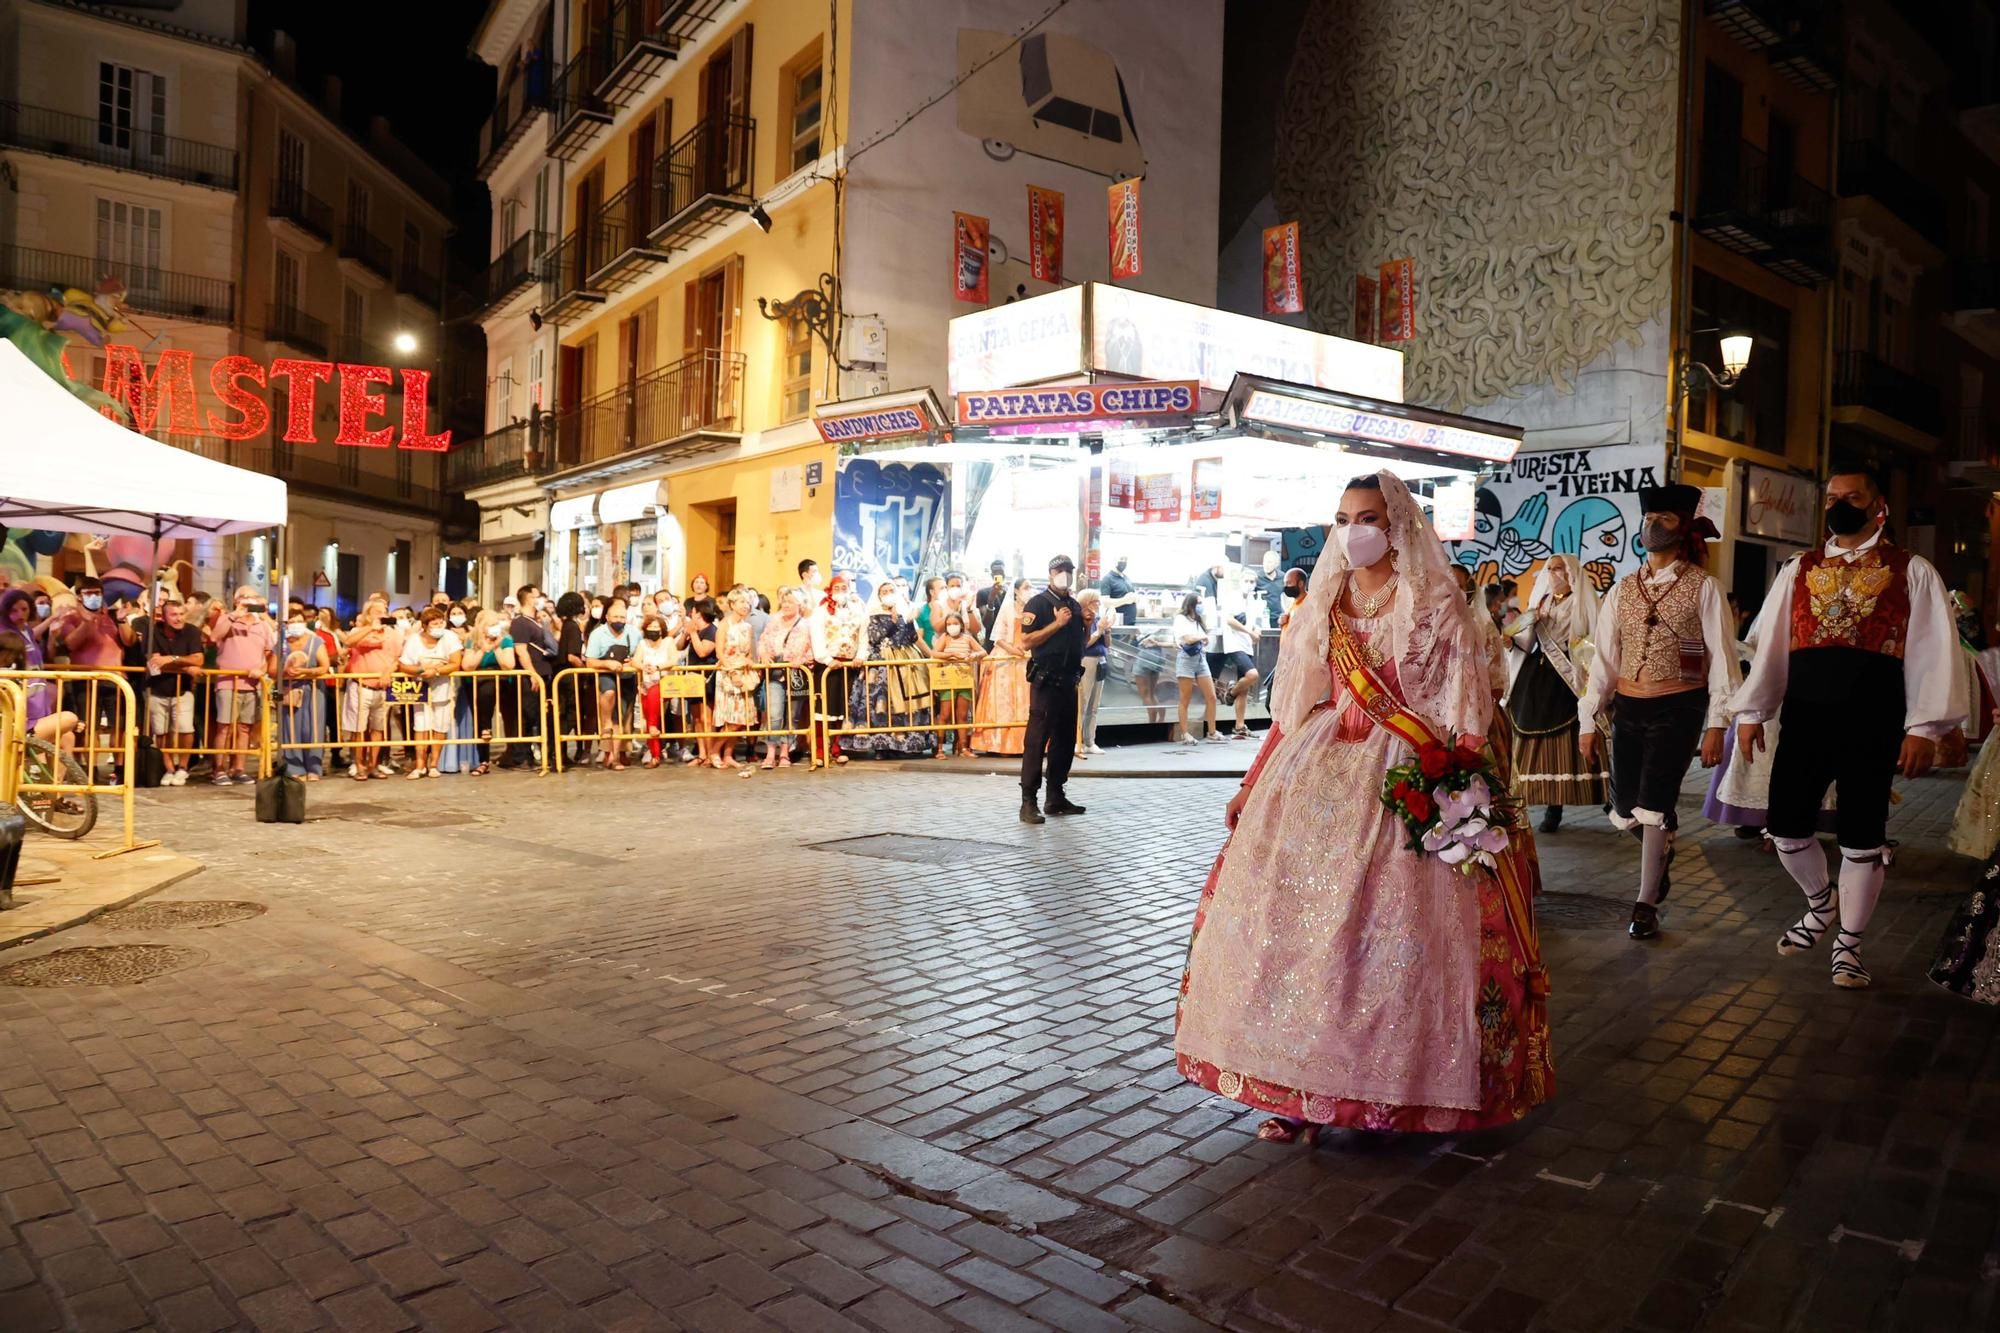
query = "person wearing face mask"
x=1542 y=703
x=1858 y=660
x=302 y=709
x=431 y=654
x=610 y=650
x=488 y=647
x=1338 y=975
x=1052 y=631
x=955 y=643
x=1667 y=651
x=991 y=601
x=891 y=696
x=786 y=642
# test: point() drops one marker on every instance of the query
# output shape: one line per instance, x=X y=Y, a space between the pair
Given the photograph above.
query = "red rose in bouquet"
x=1434 y=760
x=1419 y=806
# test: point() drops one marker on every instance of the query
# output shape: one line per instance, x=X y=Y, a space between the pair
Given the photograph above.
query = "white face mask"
x=294 y=631
x=1362 y=544
x=1060 y=582
x=954 y=630
x=402 y=622
x=457 y=618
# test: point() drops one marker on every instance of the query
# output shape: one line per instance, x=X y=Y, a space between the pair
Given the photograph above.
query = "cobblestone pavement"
x=674 y=1051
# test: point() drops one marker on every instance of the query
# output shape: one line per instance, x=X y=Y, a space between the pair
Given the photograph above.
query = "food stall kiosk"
x=1159 y=441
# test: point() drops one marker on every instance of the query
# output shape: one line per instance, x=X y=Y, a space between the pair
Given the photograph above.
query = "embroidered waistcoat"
x=1863 y=603
x=1651 y=633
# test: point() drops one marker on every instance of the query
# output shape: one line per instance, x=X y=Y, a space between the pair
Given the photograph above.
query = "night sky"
x=407 y=60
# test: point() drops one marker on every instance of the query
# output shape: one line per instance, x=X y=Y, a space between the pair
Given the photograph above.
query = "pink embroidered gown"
x=1339 y=978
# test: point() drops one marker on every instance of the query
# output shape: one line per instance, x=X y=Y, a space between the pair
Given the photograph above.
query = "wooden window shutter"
x=649 y=336
x=738 y=132
x=691 y=317
x=732 y=305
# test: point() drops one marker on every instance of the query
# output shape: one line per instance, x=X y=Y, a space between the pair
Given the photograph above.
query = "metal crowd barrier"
x=524 y=720
x=13 y=739
x=784 y=695
x=915 y=693
x=105 y=706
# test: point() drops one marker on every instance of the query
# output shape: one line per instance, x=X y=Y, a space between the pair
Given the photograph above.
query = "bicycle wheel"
x=65 y=814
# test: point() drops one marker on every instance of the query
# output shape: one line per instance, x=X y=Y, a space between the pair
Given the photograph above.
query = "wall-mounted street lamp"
x=1736 y=345
x=812 y=307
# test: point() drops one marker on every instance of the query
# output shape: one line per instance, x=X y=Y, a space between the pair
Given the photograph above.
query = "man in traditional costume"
x=1666 y=648
x=1859 y=663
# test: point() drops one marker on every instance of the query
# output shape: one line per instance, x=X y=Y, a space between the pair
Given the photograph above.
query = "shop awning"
x=626 y=504
x=579 y=511
x=495 y=550
x=1281 y=408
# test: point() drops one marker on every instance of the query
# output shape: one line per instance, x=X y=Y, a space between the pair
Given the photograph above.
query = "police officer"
x=1052 y=624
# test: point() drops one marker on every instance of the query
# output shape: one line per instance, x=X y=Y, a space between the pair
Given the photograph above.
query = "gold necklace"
x=1367 y=608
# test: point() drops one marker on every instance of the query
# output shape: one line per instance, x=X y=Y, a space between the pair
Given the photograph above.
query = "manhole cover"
x=178 y=915
x=917 y=848
x=1581 y=911
x=100 y=965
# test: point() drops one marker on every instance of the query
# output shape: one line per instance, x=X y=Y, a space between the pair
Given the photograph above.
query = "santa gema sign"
x=163 y=396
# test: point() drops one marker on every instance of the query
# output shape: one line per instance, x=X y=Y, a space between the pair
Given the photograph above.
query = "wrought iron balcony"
x=637 y=47
x=578 y=113
x=1975 y=286
x=295 y=328
x=40 y=129
x=1868 y=169
x=621 y=245
x=1757 y=24
x=152 y=291
x=1864 y=380
x=1974 y=458
x=686 y=403
x=293 y=203
x=519 y=449
x=420 y=283
x=358 y=245
x=1774 y=218
x=525 y=97
x=513 y=270
x=565 y=279
x=341 y=477
x=707 y=175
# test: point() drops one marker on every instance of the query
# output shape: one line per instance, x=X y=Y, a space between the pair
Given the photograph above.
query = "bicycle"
x=67 y=814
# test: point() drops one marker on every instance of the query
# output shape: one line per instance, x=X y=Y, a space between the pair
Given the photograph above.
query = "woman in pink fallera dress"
x=1337 y=977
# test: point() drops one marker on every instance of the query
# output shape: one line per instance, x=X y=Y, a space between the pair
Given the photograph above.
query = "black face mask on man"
x=1844 y=519
x=1659 y=536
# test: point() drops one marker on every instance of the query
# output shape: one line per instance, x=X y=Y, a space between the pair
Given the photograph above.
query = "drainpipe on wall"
x=1679 y=337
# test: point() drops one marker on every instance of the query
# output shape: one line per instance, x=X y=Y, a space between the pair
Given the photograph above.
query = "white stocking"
x=1861 y=876
x=1656 y=846
x=1806 y=864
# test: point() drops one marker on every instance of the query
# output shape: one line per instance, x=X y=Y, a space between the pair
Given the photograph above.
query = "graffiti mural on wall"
x=1580 y=502
x=883 y=518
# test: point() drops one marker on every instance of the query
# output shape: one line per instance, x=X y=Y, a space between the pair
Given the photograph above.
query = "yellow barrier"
x=921 y=696
x=82 y=693
x=398 y=697
x=13 y=739
x=681 y=696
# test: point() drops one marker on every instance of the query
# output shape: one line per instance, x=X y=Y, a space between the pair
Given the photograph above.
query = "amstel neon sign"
x=166 y=395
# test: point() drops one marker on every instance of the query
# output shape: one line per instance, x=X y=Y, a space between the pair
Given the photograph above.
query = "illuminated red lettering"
x=222 y=380
x=306 y=375
x=416 y=414
x=357 y=405
x=171 y=385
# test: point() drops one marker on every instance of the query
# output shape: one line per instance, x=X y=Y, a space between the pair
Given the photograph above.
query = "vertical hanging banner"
x=1093 y=526
x=1364 y=308
x=1206 y=501
x=1284 y=289
x=1399 y=301
x=1122 y=486
x=1159 y=496
x=970 y=235
x=1045 y=234
x=1124 y=197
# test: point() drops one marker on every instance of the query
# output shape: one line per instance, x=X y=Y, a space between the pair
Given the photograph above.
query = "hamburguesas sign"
x=165 y=397
x=1079 y=402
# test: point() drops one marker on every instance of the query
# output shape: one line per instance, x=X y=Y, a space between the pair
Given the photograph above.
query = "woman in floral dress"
x=1336 y=976
x=892 y=696
x=736 y=683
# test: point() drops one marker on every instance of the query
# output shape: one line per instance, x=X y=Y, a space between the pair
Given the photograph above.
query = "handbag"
x=149 y=766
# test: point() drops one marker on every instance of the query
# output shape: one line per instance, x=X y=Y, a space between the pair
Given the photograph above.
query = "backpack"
x=149 y=766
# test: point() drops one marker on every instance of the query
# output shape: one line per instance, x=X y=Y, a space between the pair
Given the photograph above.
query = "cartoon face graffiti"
x=1513 y=545
x=1593 y=529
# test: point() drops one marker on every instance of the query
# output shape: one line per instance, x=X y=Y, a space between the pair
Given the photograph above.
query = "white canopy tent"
x=67 y=468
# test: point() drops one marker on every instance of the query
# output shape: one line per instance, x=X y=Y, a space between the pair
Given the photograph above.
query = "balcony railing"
x=335 y=475
x=1774 y=217
x=516 y=450
x=1862 y=379
x=705 y=176
x=294 y=327
x=525 y=97
x=367 y=249
x=702 y=393
x=1868 y=168
x=565 y=278
x=1757 y=24
x=1974 y=439
x=513 y=269
x=152 y=291
x=578 y=113
x=292 y=202
x=414 y=280
x=128 y=147
x=620 y=241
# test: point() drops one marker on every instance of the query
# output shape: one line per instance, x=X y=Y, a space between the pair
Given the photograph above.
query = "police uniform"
x=1054 y=668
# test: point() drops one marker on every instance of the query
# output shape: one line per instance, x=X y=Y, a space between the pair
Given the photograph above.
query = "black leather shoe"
x=1552 y=819
x=1645 y=921
x=1063 y=805
x=1029 y=814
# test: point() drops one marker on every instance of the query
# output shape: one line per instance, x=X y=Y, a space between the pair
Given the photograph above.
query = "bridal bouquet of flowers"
x=1445 y=799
